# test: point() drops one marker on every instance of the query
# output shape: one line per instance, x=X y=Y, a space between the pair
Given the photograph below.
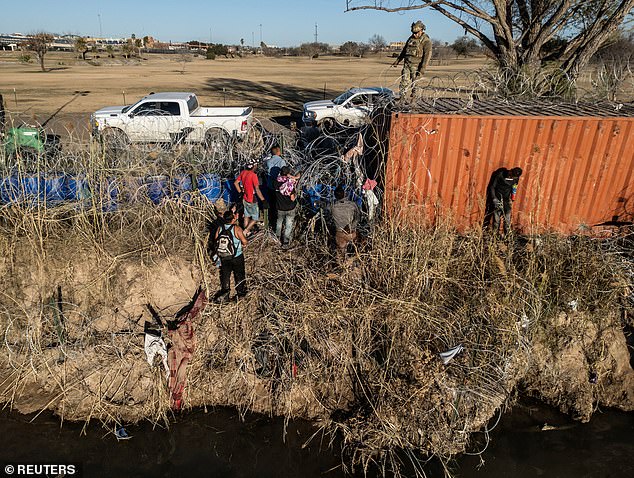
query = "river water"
x=220 y=444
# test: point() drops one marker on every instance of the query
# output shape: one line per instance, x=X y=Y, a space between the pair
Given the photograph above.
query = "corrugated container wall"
x=578 y=171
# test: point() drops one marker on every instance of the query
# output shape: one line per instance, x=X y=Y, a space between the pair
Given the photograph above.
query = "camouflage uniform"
x=416 y=54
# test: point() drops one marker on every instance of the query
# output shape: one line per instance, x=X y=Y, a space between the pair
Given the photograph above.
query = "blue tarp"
x=55 y=189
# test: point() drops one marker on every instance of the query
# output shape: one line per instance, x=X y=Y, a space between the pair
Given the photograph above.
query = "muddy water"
x=522 y=446
x=219 y=444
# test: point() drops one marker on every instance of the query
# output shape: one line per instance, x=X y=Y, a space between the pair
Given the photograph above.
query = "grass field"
x=275 y=87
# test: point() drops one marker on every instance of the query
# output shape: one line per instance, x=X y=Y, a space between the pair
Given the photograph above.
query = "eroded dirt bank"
x=354 y=349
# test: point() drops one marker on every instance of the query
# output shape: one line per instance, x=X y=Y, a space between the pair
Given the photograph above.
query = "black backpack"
x=225 y=248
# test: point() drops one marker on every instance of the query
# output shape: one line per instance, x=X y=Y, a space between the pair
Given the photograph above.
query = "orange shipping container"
x=578 y=171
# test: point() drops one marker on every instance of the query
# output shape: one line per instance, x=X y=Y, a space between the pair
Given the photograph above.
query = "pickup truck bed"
x=171 y=118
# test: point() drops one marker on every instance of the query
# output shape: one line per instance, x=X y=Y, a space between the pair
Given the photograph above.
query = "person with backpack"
x=211 y=230
x=230 y=241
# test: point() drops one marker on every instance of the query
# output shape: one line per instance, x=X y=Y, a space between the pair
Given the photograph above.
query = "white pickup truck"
x=351 y=108
x=170 y=118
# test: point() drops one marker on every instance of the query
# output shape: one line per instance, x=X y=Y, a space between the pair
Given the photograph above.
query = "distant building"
x=396 y=46
x=63 y=43
x=11 y=41
x=104 y=42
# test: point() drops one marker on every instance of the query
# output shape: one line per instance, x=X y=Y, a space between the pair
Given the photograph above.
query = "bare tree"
x=81 y=46
x=313 y=50
x=464 y=46
x=138 y=44
x=377 y=42
x=363 y=49
x=441 y=51
x=38 y=44
x=127 y=50
x=350 y=48
x=520 y=28
x=183 y=59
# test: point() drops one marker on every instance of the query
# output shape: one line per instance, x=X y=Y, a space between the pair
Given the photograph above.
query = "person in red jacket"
x=248 y=185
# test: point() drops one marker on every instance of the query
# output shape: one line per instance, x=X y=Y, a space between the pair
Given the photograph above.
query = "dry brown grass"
x=273 y=80
x=365 y=336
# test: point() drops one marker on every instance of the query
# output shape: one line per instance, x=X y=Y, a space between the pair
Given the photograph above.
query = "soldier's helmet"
x=418 y=26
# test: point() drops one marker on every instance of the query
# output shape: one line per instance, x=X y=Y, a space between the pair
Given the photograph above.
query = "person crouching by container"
x=248 y=185
x=230 y=241
x=501 y=193
x=345 y=215
x=286 y=205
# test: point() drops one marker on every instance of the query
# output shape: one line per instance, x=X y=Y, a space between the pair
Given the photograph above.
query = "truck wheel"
x=115 y=140
x=327 y=125
x=217 y=142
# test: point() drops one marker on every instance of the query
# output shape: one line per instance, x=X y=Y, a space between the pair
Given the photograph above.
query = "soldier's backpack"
x=225 y=248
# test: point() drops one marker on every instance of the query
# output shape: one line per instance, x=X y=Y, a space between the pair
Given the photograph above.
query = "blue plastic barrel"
x=54 y=189
x=133 y=189
x=182 y=187
x=31 y=190
x=9 y=190
x=316 y=194
x=157 y=188
x=22 y=189
x=229 y=192
x=209 y=186
x=324 y=193
x=77 y=188
x=109 y=195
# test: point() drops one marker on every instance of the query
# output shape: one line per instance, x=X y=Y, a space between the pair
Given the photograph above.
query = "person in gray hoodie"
x=345 y=215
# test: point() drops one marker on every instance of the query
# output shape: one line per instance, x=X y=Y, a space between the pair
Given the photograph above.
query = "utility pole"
x=210 y=42
x=260 y=33
x=253 y=40
x=100 y=29
x=315 y=33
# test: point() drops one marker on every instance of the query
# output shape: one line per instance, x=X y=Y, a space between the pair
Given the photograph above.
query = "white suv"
x=351 y=108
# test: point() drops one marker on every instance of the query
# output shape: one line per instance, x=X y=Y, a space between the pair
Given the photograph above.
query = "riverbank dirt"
x=353 y=349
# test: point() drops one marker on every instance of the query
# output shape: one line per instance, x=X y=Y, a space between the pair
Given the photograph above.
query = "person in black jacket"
x=286 y=204
x=500 y=196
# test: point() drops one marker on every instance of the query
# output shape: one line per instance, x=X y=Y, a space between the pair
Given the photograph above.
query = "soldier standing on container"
x=416 y=55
